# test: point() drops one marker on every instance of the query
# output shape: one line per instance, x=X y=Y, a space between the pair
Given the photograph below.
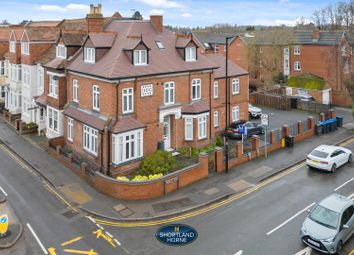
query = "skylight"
x=206 y=44
x=159 y=45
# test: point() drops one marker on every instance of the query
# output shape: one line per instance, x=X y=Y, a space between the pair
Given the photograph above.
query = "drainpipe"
x=210 y=113
x=109 y=133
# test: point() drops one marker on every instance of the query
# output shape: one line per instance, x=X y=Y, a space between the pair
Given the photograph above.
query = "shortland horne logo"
x=176 y=234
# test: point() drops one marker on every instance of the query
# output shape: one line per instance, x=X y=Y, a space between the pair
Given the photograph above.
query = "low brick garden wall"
x=257 y=151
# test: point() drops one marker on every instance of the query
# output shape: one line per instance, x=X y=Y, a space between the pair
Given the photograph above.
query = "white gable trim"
x=23 y=33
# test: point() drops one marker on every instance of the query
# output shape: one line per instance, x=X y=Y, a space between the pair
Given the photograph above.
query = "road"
x=266 y=221
x=49 y=226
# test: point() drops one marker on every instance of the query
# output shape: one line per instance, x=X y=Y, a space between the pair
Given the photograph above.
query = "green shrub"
x=219 y=142
x=31 y=125
x=161 y=162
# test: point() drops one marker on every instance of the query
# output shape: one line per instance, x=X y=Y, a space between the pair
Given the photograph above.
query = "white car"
x=328 y=157
x=254 y=112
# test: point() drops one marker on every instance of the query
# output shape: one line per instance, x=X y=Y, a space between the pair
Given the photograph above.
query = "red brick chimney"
x=94 y=19
x=157 y=22
x=316 y=35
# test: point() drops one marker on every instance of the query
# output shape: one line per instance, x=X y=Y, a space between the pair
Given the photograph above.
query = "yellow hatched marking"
x=52 y=251
x=99 y=233
x=72 y=241
x=90 y=252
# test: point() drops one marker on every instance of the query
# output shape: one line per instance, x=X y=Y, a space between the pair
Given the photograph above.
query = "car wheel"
x=334 y=168
x=339 y=248
x=350 y=159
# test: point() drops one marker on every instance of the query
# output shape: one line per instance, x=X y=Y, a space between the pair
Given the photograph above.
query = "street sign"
x=265 y=119
x=242 y=130
x=4 y=224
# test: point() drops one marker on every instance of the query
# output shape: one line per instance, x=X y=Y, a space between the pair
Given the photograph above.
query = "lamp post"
x=227 y=102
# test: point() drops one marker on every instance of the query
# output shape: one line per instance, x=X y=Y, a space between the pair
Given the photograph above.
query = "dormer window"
x=191 y=54
x=89 y=55
x=25 y=48
x=61 y=51
x=12 y=46
x=140 y=57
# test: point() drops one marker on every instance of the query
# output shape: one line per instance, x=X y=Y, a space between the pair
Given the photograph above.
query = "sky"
x=176 y=12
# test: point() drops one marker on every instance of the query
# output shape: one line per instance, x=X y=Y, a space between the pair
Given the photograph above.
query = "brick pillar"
x=332 y=114
x=58 y=149
x=255 y=143
x=285 y=130
x=239 y=151
x=219 y=160
x=204 y=164
x=106 y=151
x=272 y=137
x=83 y=169
x=322 y=117
x=311 y=122
x=300 y=127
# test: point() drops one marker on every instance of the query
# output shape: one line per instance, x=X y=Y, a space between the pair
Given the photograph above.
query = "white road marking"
x=117 y=241
x=341 y=186
x=37 y=239
x=290 y=219
x=3 y=191
x=306 y=251
x=92 y=220
x=98 y=225
x=351 y=196
x=239 y=252
x=109 y=234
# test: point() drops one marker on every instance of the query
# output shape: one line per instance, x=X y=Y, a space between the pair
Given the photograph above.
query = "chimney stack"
x=157 y=22
x=315 y=35
x=94 y=19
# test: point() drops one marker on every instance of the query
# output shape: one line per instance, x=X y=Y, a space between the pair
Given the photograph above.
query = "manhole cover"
x=171 y=205
x=126 y=212
x=70 y=214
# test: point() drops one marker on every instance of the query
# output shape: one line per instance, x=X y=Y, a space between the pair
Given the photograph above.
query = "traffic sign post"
x=243 y=131
x=4 y=224
x=265 y=123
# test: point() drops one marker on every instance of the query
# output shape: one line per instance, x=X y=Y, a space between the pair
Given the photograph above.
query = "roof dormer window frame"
x=12 y=46
x=190 y=54
x=61 y=51
x=89 y=55
x=140 y=57
x=25 y=48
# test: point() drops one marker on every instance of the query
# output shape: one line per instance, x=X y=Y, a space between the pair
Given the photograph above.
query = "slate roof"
x=326 y=38
x=269 y=37
x=196 y=107
x=220 y=60
x=211 y=38
x=115 y=64
x=126 y=124
x=90 y=118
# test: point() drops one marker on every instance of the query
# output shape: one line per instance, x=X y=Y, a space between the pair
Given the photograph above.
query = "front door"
x=167 y=132
x=325 y=97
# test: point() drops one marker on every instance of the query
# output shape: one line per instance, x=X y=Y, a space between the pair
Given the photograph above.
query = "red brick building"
x=134 y=86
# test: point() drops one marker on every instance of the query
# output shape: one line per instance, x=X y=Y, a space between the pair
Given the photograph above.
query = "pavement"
x=216 y=187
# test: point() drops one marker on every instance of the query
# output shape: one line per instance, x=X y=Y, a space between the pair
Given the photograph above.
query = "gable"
x=24 y=36
x=12 y=37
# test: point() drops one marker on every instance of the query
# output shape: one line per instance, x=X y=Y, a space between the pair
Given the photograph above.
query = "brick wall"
x=150 y=189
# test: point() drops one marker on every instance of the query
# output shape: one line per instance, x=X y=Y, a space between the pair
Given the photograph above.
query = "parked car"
x=306 y=98
x=254 y=111
x=329 y=224
x=253 y=128
x=328 y=157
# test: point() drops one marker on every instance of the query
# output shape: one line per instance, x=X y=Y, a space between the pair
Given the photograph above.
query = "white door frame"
x=167 y=132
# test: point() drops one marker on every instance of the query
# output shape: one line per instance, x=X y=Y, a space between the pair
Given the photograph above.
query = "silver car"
x=329 y=224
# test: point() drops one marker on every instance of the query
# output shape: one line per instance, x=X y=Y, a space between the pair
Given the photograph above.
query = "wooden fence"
x=274 y=101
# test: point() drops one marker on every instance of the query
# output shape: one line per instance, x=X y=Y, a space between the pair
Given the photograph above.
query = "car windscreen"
x=325 y=217
x=319 y=154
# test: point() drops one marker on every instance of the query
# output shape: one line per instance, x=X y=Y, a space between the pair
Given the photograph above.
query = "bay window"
x=188 y=129
x=90 y=140
x=127 y=146
x=53 y=119
x=202 y=127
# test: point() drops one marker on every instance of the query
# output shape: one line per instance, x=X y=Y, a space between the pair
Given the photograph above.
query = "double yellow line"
x=202 y=210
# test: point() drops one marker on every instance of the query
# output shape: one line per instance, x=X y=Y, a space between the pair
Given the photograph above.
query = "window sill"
x=53 y=96
x=202 y=139
x=52 y=130
x=126 y=162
